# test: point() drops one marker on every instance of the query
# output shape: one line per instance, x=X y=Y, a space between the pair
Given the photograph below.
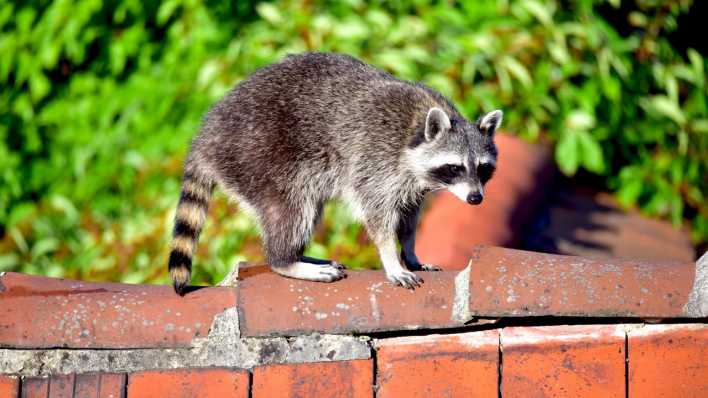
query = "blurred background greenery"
x=100 y=99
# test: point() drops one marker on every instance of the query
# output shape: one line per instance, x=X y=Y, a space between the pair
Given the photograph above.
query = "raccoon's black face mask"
x=458 y=155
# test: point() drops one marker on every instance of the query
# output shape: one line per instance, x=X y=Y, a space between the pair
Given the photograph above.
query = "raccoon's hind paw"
x=327 y=272
x=331 y=272
x=405 y=279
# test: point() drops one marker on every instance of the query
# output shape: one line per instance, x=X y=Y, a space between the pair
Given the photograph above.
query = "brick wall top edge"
x=474 y=339
x=564 y=334
x=657 y=329
x=38 y=312
x=507 y=282
x=363 y=302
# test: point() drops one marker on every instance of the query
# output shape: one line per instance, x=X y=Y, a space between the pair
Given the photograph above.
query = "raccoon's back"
x=312 y=111
x=310 y=91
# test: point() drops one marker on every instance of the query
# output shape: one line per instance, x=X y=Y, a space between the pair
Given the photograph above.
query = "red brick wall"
x=572 y=361
x=512 y=323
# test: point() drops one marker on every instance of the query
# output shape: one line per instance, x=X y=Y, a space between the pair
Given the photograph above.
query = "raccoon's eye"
x=484 y=172
x=455 y=169
x=447 y=173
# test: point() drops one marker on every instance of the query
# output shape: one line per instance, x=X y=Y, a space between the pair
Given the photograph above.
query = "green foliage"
x=100 y=99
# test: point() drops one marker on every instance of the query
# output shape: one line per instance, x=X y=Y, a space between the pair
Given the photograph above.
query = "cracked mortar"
x=697 y=305
x=461 y=301
x=222 y=348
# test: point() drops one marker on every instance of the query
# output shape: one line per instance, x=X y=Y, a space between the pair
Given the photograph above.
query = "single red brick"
x=365 y=301
x=352 y=379
x=61 y=386
x=450 y=227
x=100 y=385
x=9 y=386
x=458 y=365
x=506 y=282
x=87 y=385
x=563 y=361
x=112 y=385
x=202 y=382
x=668 y=361
x=35 y=387
x=40 y=312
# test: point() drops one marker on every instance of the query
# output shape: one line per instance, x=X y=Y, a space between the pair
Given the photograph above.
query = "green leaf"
x=700 y=125
x=666 y=107
x=517 y=70
x=591 y=150
x=166 y=10
x=539 y=10
x=697 y=63
x=579 y=120
x=9 y=261
x=44 y=246
x=39 y=86
x=270 y=13
x=629 y=191
x=567 y=153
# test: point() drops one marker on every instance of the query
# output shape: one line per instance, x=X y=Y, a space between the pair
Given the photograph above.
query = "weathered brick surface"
x=100 y=385
x=459 y=365
x=450 y=228
x=563 y=361
x=351 y=379
x=9 y=386
x=668 y=361
x=365 y=301
x=35 y=387
x=61 y=386
x=37 y=312
x=506 y=282
x=187 y=383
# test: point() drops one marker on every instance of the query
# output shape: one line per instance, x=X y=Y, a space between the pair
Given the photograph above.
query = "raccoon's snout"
x=474 y=198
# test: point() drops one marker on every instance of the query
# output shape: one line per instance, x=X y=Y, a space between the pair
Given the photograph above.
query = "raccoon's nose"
x=474 y=198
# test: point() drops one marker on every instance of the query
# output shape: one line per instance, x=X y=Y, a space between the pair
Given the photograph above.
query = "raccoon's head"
x=454 y=154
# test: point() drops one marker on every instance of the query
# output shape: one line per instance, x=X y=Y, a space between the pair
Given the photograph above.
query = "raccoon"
x=322 y=126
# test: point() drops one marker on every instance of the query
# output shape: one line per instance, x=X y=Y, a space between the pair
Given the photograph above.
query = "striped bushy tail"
x=189 y=219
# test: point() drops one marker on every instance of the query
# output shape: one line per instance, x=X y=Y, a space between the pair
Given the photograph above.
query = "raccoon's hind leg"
x=287 y=228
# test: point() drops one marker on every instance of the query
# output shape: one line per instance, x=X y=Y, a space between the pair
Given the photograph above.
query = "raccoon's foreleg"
x=287 y=228
x=385 y=240
x=406 y=236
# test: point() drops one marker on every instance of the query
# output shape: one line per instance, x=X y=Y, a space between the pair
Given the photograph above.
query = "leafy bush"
x=100 y=99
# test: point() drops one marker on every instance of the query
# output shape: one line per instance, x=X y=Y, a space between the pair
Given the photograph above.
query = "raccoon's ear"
x=489 y=123
x=436 y=122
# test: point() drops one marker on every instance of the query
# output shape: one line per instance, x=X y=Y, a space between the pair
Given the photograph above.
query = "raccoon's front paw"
x=405 y=279
x=423 y=267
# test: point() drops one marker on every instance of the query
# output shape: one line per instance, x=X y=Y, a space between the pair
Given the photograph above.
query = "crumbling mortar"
x=697 y=305
x=461 y=300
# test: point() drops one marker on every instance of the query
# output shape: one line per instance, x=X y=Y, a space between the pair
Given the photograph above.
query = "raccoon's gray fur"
x=320 y=126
